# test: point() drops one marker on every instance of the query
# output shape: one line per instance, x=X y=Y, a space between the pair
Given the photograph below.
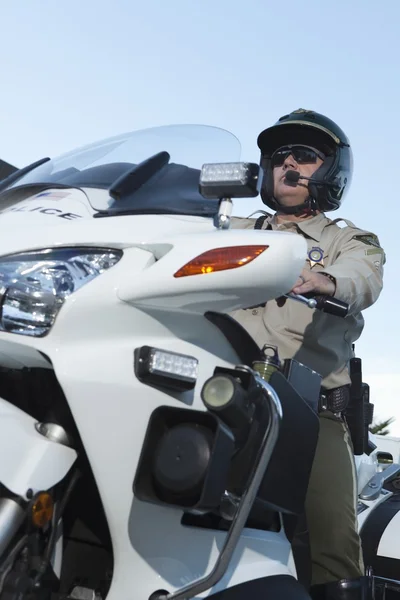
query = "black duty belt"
x=335 y=400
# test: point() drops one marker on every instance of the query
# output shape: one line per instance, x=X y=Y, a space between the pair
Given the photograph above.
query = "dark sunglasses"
x=303 y=155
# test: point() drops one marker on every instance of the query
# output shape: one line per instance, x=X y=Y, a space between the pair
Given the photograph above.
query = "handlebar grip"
x=332 y=306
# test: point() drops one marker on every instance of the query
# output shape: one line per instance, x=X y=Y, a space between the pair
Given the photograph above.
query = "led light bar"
x=163 y=368
x=229 y=180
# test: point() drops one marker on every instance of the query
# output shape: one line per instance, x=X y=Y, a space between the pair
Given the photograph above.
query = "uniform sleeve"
x=358 y=271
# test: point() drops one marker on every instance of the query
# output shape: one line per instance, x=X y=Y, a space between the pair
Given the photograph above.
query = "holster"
x=352 y=403
x=359 y=413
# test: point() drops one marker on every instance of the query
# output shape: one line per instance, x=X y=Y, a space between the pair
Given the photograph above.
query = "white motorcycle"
x=150 y=450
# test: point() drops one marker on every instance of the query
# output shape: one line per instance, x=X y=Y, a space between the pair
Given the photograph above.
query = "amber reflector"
x=220 y=259
x=42 y=510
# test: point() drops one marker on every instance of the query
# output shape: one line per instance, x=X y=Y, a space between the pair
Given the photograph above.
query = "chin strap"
x=308 y=207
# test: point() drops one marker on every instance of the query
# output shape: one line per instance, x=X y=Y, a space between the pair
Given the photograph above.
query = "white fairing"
x=279 y=265
x=91 y=348
x=30 y=461
x=259 y=553
x=171 y=242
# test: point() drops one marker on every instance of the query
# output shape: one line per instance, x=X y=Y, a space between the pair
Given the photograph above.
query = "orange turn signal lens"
x=42 y=510
x=220 y=259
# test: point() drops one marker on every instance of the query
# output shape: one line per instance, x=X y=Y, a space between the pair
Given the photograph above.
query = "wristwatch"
x=329 y=277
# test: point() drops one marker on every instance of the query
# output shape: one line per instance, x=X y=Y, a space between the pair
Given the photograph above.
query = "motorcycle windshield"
x=138 y=178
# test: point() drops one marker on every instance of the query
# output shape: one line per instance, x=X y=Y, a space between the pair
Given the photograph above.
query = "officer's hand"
x=310 y=281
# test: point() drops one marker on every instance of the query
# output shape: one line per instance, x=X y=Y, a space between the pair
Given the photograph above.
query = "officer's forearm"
x=359 y=288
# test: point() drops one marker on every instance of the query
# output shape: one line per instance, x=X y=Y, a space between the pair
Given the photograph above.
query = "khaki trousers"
x=331 y=506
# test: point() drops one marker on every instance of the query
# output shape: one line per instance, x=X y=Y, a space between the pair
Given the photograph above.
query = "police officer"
x=345 y=262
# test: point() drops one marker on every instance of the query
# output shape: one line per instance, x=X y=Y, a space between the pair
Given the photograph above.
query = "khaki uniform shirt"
x=322 y=342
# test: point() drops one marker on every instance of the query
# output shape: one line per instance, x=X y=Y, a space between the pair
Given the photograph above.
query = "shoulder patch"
x=370 y=239
x=370 y=251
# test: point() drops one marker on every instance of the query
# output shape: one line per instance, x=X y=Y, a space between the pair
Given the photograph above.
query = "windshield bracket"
x=130 y=182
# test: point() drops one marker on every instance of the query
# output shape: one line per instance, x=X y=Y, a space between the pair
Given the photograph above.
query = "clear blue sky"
x=76 y=71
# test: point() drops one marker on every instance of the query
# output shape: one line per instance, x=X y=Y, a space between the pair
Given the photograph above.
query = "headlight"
x=34 y=285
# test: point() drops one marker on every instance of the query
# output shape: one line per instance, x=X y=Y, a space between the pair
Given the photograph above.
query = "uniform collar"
x=312 y=227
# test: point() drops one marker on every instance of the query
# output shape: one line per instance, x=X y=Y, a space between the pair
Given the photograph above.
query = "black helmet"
x=333 y=176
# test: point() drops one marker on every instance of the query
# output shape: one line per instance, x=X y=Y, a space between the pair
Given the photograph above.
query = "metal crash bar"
x=239 y=521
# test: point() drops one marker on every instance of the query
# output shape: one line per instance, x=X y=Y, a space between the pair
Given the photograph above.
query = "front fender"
x=28 y=460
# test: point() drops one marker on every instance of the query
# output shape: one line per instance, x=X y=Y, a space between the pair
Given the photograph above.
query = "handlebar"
x=327 y=304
